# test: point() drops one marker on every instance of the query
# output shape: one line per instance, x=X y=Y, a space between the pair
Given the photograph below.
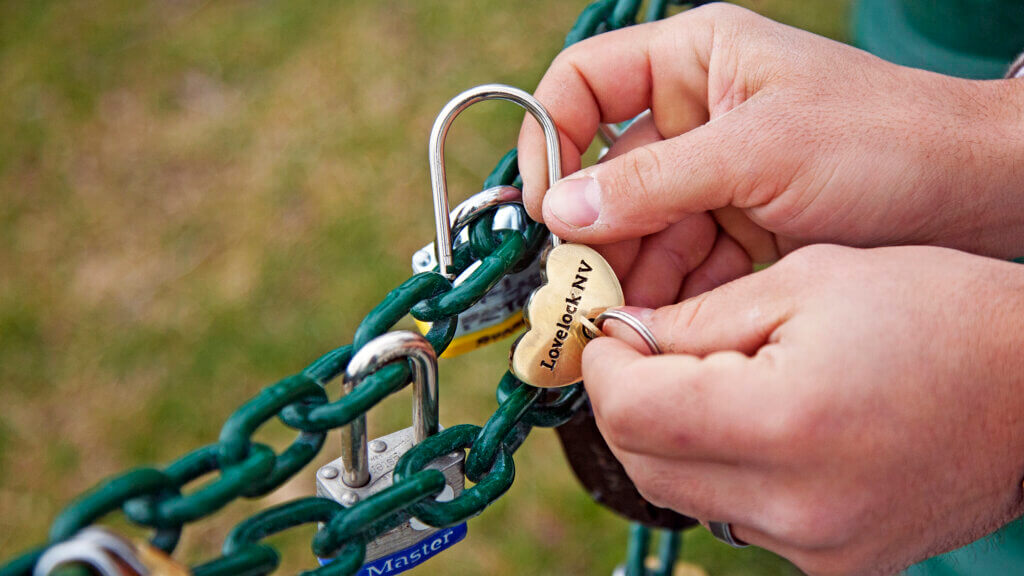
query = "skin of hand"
x=854 y=410
x=762 y=138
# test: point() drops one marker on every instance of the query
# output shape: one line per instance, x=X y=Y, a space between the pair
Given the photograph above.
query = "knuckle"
x=618 y=425
x=569 y=56
x=685 y=319
x=795 y=430
x=652 y=489
x=638 y=177
x=801 y=524
x=810 y=260
x=655 y=498
x=568 y=61
x=721 y=12
x=718 y=10
x=816 y=520
x=818 y=253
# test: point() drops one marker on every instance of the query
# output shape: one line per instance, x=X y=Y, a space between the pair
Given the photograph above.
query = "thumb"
x=740 y=316
x=651 y=187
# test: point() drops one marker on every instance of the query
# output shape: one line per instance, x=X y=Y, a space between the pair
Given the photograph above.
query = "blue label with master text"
x=414 y=555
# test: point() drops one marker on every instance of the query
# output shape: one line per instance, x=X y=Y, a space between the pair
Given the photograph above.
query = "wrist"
x=990 y=149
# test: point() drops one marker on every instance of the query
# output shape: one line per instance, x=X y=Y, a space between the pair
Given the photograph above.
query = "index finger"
x=611 y=78
x=676 y=405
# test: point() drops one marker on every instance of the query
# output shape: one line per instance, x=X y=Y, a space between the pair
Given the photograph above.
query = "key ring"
x=592 y=328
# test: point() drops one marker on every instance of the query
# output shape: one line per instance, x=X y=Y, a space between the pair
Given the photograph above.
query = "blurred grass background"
x=199 y=198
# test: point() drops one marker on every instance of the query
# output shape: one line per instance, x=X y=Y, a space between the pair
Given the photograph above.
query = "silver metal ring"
x=723 y=532
x=629 y=320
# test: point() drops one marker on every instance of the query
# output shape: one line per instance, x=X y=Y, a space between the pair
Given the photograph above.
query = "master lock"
x=365 y=468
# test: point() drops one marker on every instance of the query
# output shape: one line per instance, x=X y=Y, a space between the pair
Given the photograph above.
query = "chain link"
x=155 y=498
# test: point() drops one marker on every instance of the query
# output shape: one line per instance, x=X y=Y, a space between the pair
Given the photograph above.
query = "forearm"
x=1011 y=93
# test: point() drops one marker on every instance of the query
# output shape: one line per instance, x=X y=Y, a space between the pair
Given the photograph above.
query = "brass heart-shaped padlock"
x=577 y=282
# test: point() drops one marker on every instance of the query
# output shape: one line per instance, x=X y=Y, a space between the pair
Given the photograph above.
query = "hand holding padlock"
x=577 y=282
x=499 y=313
x=574 y=279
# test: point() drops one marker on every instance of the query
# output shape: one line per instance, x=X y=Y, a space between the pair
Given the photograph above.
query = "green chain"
x=639 y=548
x=241 y=468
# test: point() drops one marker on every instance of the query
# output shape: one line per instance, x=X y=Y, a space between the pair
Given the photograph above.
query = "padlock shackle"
x=439 y=133
x=382 y=350
x=98 y=548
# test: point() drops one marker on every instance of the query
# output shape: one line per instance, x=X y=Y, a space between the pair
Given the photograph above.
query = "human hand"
x=852 y=410
x=785 y=137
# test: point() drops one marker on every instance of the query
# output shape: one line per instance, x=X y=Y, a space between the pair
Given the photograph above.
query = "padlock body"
x=496 y=316
x=404 y=542
x=414 y=555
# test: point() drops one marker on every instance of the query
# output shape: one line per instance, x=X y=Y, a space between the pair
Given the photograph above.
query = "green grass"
x=199 y=198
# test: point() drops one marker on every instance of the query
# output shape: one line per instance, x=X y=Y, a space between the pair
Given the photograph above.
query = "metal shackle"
x=102 y=551
x=439 y=133
x=382 y=350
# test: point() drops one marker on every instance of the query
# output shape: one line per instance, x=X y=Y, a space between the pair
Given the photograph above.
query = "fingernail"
x=575 y=201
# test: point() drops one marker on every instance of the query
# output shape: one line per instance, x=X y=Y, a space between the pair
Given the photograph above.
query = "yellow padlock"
x=499 y=314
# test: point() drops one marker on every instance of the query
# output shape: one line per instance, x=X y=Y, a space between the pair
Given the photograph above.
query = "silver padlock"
x=365 y=468
x=108 y=554
x=499 y=313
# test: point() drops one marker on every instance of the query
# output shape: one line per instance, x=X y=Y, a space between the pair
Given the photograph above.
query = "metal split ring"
x=592 y=328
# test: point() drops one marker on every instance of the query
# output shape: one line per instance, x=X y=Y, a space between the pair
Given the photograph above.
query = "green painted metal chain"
x=637 y=555
x=238 y=467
